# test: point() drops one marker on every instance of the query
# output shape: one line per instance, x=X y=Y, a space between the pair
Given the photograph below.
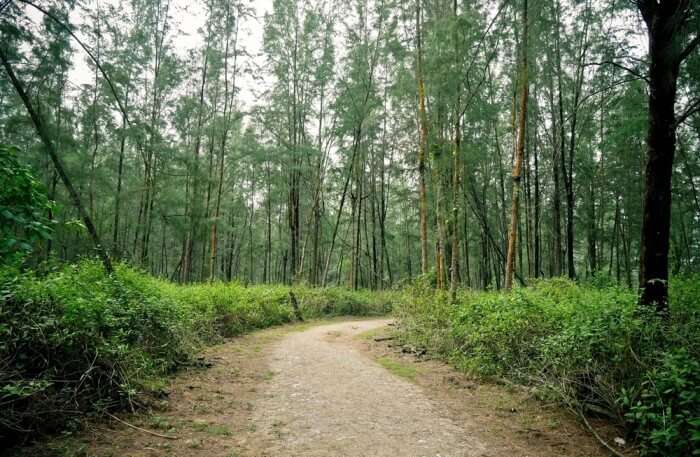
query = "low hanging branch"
x=48 y=144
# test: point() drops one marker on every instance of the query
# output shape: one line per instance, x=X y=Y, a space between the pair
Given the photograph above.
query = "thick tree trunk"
x=662 y=23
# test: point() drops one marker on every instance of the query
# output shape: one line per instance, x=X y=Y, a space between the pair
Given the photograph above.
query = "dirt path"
x=327 y=399
x=332 y=390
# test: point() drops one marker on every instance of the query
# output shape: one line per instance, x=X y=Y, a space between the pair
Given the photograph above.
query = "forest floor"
x=335 y=389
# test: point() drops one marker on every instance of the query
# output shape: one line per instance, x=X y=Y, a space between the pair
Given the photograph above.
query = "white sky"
x=189 y=17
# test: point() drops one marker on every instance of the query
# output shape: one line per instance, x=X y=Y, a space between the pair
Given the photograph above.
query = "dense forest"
x=379 y=140
x=459 y=145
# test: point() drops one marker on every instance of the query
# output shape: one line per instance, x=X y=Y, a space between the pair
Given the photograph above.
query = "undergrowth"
x=75 y=341
x=591 y=348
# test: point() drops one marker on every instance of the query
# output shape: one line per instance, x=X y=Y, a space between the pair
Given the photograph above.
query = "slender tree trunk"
x=193 y=215
x=229 y=98
x=422 y=145
x=120 y=175
x=517 y=167
x=340 y=210
x=48 y=144
x=267 y=273
x=456 y=176
x=613 y=242
x=537 y=247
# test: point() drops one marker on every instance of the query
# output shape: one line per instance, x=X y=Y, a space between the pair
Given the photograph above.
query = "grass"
x=371 y=333
x=218 y=430
x=400 y=369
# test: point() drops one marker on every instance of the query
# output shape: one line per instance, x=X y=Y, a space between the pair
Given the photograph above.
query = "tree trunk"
x=422 y=145
x=120 y=175
x=664 y=22
x=229 y=98
x=517 y=167
x=48 y=144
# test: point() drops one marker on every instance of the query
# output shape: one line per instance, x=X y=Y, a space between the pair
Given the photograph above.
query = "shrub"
x=23 y=206
x=586 y=345
x=77 y=341
x=666 y=417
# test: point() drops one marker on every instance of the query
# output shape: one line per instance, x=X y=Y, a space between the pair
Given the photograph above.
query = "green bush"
x=77 y=341
x=666 y=417
x=23 y=206
x=589 y=346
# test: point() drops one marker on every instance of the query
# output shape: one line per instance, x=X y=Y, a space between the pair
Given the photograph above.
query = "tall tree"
x=519 y=153
x=673 y=37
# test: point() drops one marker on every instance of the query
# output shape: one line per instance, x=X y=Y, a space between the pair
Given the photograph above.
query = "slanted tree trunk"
x=48 y=144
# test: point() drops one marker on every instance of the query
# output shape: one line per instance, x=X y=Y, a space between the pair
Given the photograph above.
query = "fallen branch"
x=595 y=434
x=383 y=338
x=167 y=437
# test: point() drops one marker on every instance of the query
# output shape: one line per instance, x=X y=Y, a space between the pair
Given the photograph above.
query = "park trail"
x=336 y=389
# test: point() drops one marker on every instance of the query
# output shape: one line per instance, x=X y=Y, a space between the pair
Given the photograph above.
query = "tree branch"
x=4 y=4
x=86 y=49
x=692 y=108
x=615 y=64
x=692 y=46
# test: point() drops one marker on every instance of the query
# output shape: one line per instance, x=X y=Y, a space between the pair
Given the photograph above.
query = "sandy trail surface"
x=331 y=389
x=327 y=399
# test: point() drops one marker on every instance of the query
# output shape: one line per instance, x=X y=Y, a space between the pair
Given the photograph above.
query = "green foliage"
x=23 y=206
x=589 y=347
x=77 y=341
x=666 y=417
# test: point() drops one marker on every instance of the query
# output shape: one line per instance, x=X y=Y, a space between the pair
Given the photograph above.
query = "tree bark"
x=517 y=167
x=422 y=145
x=664 y=22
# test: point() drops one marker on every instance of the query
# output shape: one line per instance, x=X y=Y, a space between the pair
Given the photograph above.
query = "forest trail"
x=333 y=390
x=327 y=399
